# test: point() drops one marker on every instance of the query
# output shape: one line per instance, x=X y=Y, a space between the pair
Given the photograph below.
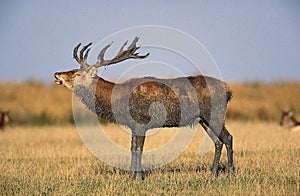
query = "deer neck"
x=2 y=123
x=294 y=124
x=294 y=121
x=97 y=97
x=290 y=121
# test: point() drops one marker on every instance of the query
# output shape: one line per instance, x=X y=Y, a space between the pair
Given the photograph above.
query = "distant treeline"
x=36 y=103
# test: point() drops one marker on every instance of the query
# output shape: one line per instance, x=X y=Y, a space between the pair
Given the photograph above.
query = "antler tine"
x=133 y=44
x=100 y=58
x=122 y=48
x=75 y=53
x=137 y=56
x=121 y=55
x=83 y=49
x=86 y=55
x=132 y=48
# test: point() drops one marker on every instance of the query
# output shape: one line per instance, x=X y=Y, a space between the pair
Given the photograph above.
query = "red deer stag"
x=140 y=112
x=288 y=120
x=4 y=120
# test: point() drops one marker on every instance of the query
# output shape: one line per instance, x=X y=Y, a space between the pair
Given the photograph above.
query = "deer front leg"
x=137 y=145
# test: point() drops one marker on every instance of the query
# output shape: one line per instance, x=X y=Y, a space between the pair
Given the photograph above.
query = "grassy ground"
x=53 y=160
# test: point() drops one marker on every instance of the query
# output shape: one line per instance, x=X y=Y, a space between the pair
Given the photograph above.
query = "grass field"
x=54 y=161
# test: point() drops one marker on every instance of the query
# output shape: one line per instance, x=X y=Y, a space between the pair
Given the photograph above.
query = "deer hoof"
x=137 y=175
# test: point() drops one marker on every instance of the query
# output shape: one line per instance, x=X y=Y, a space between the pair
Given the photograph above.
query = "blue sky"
x=249 y=40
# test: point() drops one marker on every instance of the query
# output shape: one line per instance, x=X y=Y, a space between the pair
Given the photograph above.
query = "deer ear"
x=92 y=72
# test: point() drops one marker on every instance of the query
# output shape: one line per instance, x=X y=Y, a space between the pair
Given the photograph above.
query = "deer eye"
x=78 y=74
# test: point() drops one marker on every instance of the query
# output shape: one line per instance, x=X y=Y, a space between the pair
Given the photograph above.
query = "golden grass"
x=54 y=160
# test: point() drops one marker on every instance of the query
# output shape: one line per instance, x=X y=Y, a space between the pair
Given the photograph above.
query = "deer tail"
x=228 y=91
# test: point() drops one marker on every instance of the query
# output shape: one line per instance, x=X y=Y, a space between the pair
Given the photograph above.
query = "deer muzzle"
x=57 y=81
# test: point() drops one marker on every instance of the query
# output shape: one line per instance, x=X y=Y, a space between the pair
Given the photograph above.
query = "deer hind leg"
x=218 y=148
x=137 y=145
x=227 y=139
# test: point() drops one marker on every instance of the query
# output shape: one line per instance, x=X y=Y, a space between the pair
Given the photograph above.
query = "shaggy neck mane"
x=97 y=97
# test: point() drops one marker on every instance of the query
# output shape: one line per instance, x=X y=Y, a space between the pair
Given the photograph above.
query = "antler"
x=82 y=60
x=121 y=55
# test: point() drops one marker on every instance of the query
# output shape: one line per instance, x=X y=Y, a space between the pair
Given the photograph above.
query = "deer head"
x=87 y=73
x=286 y=118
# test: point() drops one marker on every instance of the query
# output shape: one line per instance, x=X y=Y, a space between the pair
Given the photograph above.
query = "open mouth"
x=57 y=81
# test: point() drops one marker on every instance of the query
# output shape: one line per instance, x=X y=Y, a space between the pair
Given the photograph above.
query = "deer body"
x=146 y=103
x=146 y=92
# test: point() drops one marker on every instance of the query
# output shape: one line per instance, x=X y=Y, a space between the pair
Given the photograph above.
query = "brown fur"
x=4 y=120
x=171 y=93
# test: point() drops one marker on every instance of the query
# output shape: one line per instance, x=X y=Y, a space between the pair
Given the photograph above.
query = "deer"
x=288 y=120
x=205 y=103
x=4 y=120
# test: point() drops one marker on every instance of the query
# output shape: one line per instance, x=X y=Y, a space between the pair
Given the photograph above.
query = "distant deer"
x=139 y=111
x=288 y=120
x=4 y=120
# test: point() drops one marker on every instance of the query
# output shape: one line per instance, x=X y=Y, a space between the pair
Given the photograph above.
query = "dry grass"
x=53 y=160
